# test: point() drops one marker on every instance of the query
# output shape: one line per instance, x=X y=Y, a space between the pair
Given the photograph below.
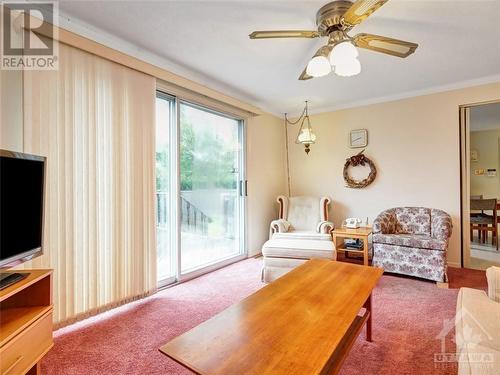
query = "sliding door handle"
x=243 y=188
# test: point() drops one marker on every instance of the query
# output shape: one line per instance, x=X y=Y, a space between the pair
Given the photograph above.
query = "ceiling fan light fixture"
x=348 y=68
x=319 y=66
x=342 y=52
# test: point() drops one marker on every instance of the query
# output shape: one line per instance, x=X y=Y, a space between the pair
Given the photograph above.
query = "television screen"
x=21 y=205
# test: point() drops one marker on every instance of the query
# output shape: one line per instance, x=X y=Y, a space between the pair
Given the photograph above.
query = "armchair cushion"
x=302 y=249
x=413 y=220
x=304 y=213
x=299 y=235
x=411 y=240
x=493 y=276
x=385 y=222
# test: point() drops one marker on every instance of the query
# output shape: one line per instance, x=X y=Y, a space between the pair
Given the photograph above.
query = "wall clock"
x=358 y=138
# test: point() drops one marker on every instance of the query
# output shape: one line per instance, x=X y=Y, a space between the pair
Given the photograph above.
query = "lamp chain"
x=303 y=115
x=287 y=157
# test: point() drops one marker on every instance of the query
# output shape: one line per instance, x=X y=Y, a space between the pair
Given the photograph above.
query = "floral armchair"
x=412 y=241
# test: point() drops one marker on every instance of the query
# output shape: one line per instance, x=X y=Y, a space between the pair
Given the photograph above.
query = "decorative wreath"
x=354 y=161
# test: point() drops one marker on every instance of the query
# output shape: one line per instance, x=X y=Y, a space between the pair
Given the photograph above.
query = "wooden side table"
x=362 y=233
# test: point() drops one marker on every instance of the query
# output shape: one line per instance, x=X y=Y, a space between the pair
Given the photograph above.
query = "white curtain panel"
x=94 y=120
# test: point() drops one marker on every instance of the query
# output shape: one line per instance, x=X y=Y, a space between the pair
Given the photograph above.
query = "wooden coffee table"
x=303 y=323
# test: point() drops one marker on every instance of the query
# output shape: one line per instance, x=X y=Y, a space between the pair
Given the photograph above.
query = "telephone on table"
x=353 y=222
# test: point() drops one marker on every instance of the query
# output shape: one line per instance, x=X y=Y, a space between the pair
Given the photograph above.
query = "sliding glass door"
x=210 y=174
x=200 y=188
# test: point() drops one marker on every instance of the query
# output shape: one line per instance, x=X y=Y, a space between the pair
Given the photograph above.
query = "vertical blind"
x=94 y=121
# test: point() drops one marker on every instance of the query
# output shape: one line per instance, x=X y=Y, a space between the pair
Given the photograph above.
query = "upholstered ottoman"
x=283 y=255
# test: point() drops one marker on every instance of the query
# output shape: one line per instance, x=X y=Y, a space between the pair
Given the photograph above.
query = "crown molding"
x=409 y=94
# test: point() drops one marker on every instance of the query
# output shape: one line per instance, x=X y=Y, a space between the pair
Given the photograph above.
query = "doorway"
x=480 y=135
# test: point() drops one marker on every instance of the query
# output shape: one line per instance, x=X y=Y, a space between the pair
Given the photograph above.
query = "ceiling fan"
x=335 y=20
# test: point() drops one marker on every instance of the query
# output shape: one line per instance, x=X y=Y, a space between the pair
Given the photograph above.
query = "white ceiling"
x=485 y=117
x=208 y=41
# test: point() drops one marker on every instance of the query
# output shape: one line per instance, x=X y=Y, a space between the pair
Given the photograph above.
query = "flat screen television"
x=22 y=180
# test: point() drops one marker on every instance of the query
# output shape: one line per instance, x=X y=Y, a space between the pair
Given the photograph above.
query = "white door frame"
x=465 y=177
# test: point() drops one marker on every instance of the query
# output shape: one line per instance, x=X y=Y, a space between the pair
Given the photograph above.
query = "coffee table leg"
x=368 y=306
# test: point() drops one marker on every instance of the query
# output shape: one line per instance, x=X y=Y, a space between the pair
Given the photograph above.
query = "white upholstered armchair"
x=302 y=217
x=302 y=232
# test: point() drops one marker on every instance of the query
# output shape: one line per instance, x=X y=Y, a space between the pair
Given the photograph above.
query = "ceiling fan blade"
x=394 y=47
x=284 y=34
x=304 y=76
x=361 y=10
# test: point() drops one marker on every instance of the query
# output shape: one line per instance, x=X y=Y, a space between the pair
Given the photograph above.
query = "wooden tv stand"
x=26 y=323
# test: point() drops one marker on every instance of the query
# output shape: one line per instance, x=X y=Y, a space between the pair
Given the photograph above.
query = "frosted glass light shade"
x=342 y=52
x=306 y=136
x=348 y=68
x=319 y=66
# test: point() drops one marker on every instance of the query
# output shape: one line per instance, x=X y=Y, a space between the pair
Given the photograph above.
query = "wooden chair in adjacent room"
x=476 y=213
x=485 y=223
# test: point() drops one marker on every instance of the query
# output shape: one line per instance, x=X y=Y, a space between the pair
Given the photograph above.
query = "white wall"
x=487 y=144
x=266 y=176
x=11 y=115
x=414 y=143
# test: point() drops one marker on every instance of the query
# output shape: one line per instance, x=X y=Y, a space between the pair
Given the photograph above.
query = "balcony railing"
x=193 y=219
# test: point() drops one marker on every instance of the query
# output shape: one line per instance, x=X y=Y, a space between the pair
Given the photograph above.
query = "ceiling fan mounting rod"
x=330 y=17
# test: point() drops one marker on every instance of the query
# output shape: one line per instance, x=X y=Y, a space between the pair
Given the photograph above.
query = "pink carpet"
x=408 y=315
